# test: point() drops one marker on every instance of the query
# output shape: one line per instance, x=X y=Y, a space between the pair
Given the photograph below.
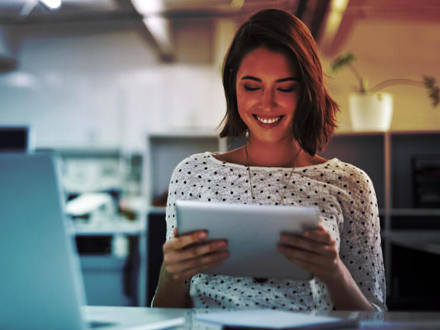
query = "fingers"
x=190 y=254
x=180 y=242
x=309 y=245
x=193 y=271
x=197 y=265
x=320 y=270
x=296 y=255
x=309 y=239
x=180 y=255
x=314 y=250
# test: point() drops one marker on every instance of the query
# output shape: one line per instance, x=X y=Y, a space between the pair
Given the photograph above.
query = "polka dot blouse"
x=346 y=198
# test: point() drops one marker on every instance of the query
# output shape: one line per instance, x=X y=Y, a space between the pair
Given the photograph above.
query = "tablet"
x=252 y=231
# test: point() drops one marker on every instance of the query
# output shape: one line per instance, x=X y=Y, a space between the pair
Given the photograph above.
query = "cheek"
x=242 y=103
x=289 y=102
x=245 y=101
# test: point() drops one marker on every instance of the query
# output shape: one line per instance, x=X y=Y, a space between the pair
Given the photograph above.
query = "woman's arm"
x=169 y=292
x=316 y=251
x=345 y=293
x=354 y=274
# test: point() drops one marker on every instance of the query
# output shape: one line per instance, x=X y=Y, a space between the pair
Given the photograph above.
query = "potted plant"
x=370 y=108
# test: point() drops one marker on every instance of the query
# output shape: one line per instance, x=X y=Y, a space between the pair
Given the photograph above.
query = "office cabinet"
x=110 y=246
x=165 y=150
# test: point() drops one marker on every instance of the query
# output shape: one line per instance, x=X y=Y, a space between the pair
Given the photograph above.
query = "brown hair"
x=278 y=30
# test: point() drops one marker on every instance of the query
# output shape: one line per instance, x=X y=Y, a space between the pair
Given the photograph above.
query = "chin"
x=272 y=137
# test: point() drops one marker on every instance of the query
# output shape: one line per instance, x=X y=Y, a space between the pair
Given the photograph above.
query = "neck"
x=285 y=154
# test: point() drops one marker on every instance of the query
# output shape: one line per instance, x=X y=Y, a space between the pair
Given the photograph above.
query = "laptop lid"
x=41 y=284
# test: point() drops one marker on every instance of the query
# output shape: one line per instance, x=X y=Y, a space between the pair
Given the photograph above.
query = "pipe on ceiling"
x=8 y=61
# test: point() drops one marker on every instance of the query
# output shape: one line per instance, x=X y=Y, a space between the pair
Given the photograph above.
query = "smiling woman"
x=275 y=96
x=267 y=96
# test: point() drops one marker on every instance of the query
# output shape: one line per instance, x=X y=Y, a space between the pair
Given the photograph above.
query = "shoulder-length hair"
x=314 y=119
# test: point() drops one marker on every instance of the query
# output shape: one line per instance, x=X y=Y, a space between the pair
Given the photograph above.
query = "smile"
x=268 y=120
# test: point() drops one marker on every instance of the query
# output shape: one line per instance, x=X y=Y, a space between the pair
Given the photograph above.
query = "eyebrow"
x=278 y=80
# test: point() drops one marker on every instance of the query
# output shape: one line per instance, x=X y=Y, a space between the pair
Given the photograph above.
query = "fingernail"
x=203 y=235
x=221 y=244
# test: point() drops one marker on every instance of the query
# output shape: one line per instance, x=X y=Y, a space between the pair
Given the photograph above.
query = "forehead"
x=263 y=61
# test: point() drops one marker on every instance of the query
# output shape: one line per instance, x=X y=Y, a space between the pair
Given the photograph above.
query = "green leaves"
x=429 y=82
x=433 y=89
x=342 y=60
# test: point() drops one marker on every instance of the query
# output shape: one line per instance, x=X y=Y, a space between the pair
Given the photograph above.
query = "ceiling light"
x=52 y=4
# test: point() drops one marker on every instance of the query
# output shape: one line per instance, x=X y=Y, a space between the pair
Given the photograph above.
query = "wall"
x=104 y=86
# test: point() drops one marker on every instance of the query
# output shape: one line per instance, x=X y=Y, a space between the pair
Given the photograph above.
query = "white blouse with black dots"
x=344 y=194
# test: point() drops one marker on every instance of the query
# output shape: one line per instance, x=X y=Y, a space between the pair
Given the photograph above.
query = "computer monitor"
x=15 y=139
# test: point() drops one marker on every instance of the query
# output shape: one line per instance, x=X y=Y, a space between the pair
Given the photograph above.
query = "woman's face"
x=267 y=88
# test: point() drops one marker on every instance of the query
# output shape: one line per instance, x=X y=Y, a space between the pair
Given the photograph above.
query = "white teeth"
x=269 y=120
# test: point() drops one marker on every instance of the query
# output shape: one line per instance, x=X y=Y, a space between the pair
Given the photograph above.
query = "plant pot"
x=371 y=112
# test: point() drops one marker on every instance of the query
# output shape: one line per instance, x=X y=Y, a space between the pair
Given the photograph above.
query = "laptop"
x=40 y=282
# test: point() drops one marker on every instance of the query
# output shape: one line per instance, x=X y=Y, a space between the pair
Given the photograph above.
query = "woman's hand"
x=187 y=255
x=314 y=250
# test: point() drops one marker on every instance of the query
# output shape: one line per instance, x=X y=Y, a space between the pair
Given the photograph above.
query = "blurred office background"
x=122 y=90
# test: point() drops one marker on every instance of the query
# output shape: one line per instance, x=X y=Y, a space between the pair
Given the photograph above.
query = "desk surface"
x=132 y=316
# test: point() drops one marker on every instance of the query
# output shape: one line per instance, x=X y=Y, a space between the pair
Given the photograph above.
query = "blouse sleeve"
x=170 y=213
x=360 y=248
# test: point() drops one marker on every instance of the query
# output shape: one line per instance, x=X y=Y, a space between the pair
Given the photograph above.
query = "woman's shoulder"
x=197 y=162
x=193 y=159
x=233 y=157
x=350 y=176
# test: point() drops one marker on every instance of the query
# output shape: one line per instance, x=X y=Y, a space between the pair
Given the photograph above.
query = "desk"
x=368 y=320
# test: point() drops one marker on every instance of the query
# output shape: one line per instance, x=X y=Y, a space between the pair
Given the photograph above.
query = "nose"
x=268 y=99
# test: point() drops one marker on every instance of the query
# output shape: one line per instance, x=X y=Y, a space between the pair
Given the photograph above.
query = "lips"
x=268 y=120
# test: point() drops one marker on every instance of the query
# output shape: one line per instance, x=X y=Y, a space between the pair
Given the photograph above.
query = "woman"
x=275 y=95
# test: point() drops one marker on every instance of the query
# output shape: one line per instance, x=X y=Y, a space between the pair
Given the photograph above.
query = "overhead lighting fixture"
x=52 y=4
x=8 y=61
x=237 y=4
x=19 y=79
x=31 y=4
x=333 y=22
x=157 y=25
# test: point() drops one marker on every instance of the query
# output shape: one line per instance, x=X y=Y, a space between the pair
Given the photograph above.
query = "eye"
x=287 y=89
x=250 y=88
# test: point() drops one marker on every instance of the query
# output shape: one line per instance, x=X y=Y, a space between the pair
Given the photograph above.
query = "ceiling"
x=33 y=11
x=379 y=11
x=13 y=12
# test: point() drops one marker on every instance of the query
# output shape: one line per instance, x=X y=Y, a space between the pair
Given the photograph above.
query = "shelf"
x=411 y=212
x=156 y=210
x=165 y=151
x=413 y=235
x=421 y=240
x=186 y=133
x=109 y=228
